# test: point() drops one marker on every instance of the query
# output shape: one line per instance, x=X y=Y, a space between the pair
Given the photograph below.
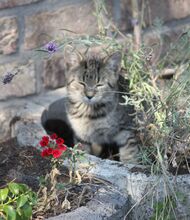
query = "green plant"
x=54 y=148
x=164 y=210
x=16 y=202
x=50 y=188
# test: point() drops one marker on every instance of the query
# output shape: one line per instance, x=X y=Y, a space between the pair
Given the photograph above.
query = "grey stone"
x=144 y=190
x=160 y=40
x=23 y=84
x=81 y=213
x=166 y=10
x=13 y=3
x=8 y=35
x=54 y=72
x=75 y=17
x=106 y=204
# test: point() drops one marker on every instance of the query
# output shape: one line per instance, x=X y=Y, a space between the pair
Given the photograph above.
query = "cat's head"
x=91 y=79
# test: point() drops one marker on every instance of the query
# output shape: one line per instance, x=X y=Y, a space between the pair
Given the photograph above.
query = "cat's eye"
x=99 y=85
x=81 y=83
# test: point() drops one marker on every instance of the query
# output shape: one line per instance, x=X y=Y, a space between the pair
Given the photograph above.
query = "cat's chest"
x=91 y=129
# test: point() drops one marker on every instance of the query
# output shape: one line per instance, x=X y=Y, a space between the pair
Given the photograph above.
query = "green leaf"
x=3 y=194
x=10 y=212
x=32 y=197
x=14 y=188
x=27 y=211
x=19 y=213
x=23 y=187
x=21 y=201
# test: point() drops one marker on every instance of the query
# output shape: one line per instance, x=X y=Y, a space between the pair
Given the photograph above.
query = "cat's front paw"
x=96 y=149
x=129 y=154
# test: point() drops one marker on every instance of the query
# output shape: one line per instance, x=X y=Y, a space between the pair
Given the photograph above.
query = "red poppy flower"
x=46 y=139
x=49 y=151
x=57 y=153
x=60 y=141
x=53 y=136
x=44 y=153
x=62 y=147
x=43 y=143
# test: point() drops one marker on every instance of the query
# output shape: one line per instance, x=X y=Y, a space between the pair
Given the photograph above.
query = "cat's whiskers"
x=125 y=93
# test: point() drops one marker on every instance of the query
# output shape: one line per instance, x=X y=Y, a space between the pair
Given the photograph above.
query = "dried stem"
x=136 y=24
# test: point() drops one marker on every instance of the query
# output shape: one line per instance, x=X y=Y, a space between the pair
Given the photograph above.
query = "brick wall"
x=28 y=24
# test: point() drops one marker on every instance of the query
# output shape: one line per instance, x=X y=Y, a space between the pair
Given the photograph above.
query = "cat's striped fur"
x=93 y=108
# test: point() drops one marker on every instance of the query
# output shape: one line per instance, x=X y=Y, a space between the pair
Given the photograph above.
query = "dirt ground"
x=25 y=165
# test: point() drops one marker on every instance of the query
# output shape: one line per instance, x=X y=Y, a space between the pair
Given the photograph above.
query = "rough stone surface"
x=7 y=113
x=144 y=190
x=160 y=40
x=13 y=3
x=106 y=204
x=24 y=83
x=45 y=26
x=22 y=118
x=166 y=10
x=8 y=35
x=53 y=74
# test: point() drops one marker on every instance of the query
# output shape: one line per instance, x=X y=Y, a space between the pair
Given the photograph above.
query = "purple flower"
x=7 y=78
x=51 y=47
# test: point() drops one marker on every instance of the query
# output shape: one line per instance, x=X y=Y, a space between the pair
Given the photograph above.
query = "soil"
x=25 y=165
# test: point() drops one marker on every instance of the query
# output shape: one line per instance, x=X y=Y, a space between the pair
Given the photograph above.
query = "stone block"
x=107 y=204
x=8 y=35
x=160 y=41
x=13 y=3
x=23 y=84
x=45 y=26
x=166 y=10
x=53 y=73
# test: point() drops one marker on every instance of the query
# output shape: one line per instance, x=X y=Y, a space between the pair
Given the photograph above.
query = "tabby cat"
x=93 y=105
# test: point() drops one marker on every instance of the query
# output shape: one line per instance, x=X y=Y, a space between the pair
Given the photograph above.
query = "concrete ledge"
x=143 y=190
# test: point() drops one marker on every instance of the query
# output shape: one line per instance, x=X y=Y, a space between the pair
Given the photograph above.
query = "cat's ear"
x=72 y=57
x=113 y=61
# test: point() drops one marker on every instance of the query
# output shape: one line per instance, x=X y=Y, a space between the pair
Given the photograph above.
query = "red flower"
x=60 y=141
x=53 y=136
x=44 y=153
x=49 y=151
x=43 y=143
x=46 y=139
x=62 y=147
x=57 y=153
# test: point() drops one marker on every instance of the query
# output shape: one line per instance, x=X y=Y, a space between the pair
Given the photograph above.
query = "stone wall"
x=28 y=24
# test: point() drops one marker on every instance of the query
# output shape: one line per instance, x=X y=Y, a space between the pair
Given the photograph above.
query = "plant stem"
x=136 y=24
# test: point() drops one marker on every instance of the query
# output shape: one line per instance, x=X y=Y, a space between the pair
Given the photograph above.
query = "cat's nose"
x=89 y=94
